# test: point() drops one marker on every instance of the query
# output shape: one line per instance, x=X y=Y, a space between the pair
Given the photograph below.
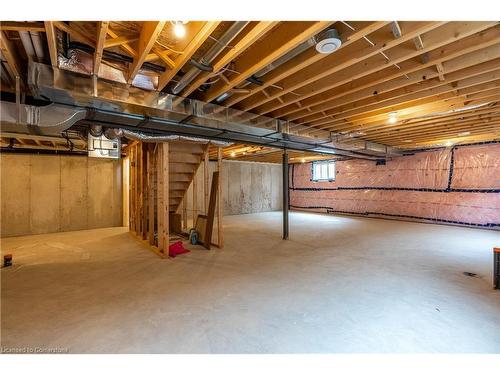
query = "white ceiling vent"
x=328 y=41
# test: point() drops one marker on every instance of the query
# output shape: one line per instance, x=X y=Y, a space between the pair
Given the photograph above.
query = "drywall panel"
x=51 y=193
x=15 y=190
x=45 y=191
x=74 y=189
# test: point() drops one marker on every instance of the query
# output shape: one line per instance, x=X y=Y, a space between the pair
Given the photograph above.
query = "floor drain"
x=471 y=274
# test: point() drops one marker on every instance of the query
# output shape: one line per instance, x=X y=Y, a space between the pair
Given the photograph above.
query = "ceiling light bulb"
x=244 y=153
x=179 y=29
x=448 y=144
x=392 y=118
x=303 y=160
x=233 y=154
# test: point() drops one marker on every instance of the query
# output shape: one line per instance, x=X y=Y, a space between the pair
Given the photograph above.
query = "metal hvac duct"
x=273 y=65
x=48 y=120
x=212 y=53
x=115 y=105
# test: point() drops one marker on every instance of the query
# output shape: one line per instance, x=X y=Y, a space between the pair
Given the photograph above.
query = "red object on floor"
x=176 y=249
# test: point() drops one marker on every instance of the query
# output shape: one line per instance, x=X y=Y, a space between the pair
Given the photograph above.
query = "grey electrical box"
x=102 y=147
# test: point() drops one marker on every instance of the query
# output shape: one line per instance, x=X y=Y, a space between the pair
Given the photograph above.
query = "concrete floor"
x=341 y=284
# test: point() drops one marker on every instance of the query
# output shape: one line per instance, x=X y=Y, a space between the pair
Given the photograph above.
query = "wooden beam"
x=323 y=72
x=149 y=33
x=118 y=41
x=164 y=56
x=124 y=46
x=381 y=84
x=284 y=38
x=195 y=197
x=144 y=191
x=206 y=178
x=341 y=110
x=151 y=193
x=260 y=29
x=192 y=47
x=453 y=34
x=74 y=32
x=9 y=54
x=160 y=207
x=50 y=32
x=102 y=31
x=184 y=212
x=220 y=234
x=22 y=26
x=165 y=208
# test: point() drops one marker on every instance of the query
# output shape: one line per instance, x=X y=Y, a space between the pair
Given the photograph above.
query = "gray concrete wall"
x=251 y=187
x=247 y=187
x=48 y=193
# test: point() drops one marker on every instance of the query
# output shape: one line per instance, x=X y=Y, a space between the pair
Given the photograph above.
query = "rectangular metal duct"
x=114 y=104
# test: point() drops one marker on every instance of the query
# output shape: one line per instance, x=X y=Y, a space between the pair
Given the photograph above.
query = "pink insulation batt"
x=411 y=187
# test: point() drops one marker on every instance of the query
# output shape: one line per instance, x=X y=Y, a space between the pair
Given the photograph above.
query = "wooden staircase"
x=184 y=160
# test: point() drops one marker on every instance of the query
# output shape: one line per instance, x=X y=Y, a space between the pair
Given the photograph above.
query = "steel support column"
x=286 y=200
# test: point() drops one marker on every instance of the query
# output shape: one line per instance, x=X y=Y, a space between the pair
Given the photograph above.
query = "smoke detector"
x=328 y=41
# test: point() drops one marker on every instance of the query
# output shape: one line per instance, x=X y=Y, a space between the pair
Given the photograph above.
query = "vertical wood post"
x=205 y=179
x=159 y=194
x=137 y=189
x=151 y=194
x=195 y=196
x=166 y=202
x=220 y=234
x=131 y=174
x=144 y=192
x=184 y=211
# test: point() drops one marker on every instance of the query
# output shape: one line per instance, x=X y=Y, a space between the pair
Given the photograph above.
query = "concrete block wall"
x=56 y=193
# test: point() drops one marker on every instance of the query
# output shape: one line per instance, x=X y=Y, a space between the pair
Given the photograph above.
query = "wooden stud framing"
x=160 y=203
x=220 y=234
x=205 y=179
x=151 y=193
x=149 y=34
x=8 y=52
x=74 y=32
x=179 y=62
x=165 y=205
x=144 y=192
x=102 y=31
x=50 y=32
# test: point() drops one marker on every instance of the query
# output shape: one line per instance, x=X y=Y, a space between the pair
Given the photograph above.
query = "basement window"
x=323 y=170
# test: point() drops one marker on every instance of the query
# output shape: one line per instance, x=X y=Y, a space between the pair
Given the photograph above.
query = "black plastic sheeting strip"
x=330 y=210
x=449 y=189
x=494 y=191
x=452 y=167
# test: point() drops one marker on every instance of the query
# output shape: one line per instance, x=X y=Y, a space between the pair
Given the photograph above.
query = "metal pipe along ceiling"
x=212 y=53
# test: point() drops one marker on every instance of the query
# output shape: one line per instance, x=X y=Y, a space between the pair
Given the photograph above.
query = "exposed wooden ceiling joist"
x=193 y=46
x=282 y=39
x=304 y=60
x=149 y=33
x=260 y=29
x=102 y=32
